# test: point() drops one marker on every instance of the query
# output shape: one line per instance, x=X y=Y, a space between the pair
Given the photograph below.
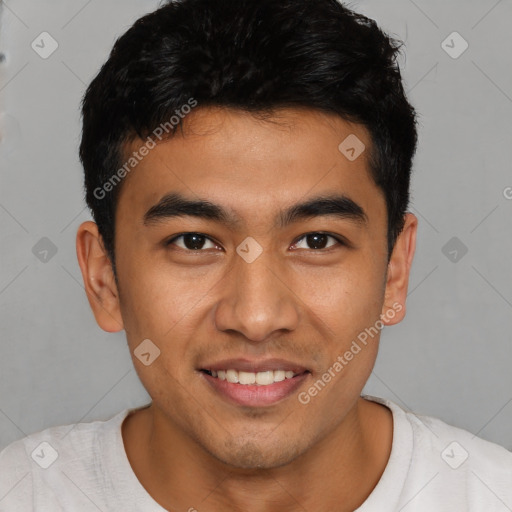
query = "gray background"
x=451 y=356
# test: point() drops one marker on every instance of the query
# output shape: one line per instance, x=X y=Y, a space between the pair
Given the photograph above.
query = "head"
x=229 y=120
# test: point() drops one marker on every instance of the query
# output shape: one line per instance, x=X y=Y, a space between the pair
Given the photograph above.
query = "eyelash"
x=340 y=241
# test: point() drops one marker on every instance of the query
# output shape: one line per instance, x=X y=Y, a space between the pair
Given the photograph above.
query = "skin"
x=191 y=449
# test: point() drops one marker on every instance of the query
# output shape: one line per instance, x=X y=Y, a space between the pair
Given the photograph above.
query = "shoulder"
x=465 y=464
x=15 y=478
x=30 y=467
x=448 y=468
x=460 y=463
x=457 y=447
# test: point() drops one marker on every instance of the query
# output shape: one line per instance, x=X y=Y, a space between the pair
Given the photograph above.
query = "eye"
x=318 y=240
x=196 y=242
x=192 y=242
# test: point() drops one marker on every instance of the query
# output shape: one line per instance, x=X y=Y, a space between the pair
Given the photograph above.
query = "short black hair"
x=255 y=56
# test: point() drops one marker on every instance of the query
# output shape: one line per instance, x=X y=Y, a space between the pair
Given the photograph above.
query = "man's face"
x=208 y=305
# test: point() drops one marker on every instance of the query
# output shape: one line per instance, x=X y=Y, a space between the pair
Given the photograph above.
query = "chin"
x=243 y=454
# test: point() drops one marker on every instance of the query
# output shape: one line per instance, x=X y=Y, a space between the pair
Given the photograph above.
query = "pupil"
x=313 y=240
x=196 y=241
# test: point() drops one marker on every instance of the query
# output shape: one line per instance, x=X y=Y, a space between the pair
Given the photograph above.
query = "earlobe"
x=393 y=310
x=98 y=276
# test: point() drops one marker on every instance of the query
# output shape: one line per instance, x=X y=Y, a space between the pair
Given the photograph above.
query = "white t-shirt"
x=433 y=467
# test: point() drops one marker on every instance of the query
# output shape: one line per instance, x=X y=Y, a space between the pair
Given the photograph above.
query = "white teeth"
x=265 y=378
x=246 y=378
x=232 y=376
x=279 y=375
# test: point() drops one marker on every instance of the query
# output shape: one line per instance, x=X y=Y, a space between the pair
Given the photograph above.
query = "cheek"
x=348 y=303
x=347 y=299
x=154 y=297
x=166 y=306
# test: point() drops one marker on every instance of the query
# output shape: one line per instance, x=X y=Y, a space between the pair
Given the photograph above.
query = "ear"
x=98 y=276
x=399 y=266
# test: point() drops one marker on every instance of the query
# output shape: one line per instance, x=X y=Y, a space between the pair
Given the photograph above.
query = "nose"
x=257 y=300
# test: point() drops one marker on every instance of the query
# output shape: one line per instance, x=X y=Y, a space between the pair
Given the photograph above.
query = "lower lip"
x=251 y=395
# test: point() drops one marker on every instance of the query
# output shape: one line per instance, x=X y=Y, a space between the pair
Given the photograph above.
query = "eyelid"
x=341 y=240
x=179 y=235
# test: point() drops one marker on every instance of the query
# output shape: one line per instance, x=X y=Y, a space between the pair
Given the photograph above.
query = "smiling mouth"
x=265 y=378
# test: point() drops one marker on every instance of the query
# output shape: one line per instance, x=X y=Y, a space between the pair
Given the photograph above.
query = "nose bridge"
x=256 y=282
x=256 y=302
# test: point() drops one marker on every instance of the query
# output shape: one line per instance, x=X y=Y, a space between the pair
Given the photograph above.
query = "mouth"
x=265 y=378
x=254 y=385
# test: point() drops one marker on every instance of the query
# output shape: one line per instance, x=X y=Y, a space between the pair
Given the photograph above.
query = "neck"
x=337 y=473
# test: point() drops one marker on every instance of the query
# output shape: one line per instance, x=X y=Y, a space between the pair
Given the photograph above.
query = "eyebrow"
x=176 y=205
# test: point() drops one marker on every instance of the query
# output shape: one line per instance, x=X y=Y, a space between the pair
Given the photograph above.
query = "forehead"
x=249 y=164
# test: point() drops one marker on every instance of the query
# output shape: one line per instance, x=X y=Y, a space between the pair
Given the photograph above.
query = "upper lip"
x=254 y=366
